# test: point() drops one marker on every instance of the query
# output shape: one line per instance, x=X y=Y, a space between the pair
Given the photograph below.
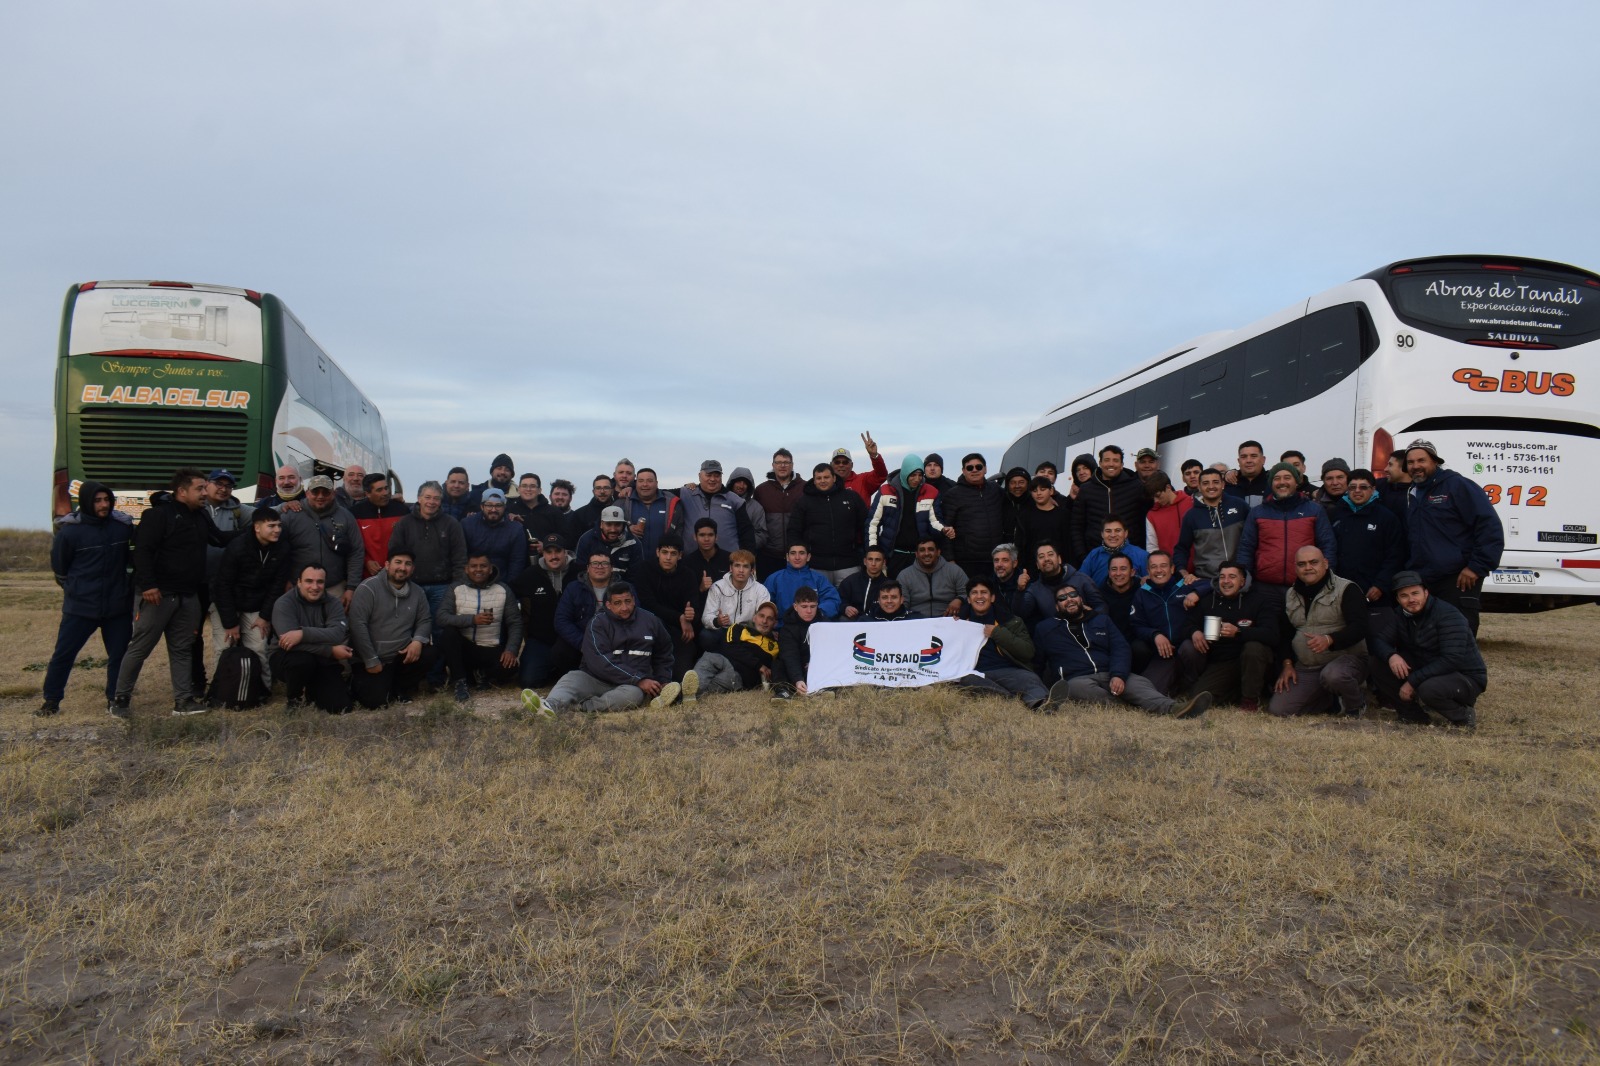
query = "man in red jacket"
x=376 y=515
x=863 y=485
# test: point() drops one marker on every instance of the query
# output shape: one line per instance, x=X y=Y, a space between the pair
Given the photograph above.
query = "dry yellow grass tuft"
x=878 y=877
x=24 y=549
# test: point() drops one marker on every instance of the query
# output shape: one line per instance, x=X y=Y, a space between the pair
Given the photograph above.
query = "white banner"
x=908 y=654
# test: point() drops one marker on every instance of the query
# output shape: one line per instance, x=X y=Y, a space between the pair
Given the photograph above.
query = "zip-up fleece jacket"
x=321 y=623
x=1211 y=534
x=1159 y=609
x=1099 y=497
x=250 y=577
x=1435 y=641
x=726 y=509
x=1450 y=525
x=622 y=652
x=830 y=524
x=1008 y=646
x=889 y=507
x=1256 y=618
x=377 y=527
x=661 y=518
x=329 y=539
x=503 y=542
x=1372 y=544
x=928 y=594
x=384 y=619
x=437 y=544
x=1277 y=529
x=89 y=556
x=741 y=604
x=748 y=651
x=538 y=592
x=169 y=548
x=463 y=600
x=1088 y=645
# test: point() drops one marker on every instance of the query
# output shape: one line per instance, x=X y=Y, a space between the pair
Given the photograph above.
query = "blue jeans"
x=435 y=596
x=115 y=631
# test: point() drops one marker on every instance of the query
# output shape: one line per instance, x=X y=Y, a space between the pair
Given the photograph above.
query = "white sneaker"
x=669 y=695
x=690 y=686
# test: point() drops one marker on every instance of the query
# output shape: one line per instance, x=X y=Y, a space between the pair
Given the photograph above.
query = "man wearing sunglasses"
x=1089 y=661
x=972 y=516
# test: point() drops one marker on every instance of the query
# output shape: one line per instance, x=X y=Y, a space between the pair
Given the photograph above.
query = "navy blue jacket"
x=90 y=558
x=1372 y=544
x=503 y=542
x=1092 y=645
x=1451 y=525
x=1159 y=609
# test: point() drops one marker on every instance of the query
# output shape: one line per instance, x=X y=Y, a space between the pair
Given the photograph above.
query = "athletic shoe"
x=463 y=692
x=118 y=707
x=690 y=686
x=1351 y=709
x=783 y=691
x=668 y=696
x=1193 y=707
x=1058 y=696
x=190 y=705
x=531 y=700
x=47 y=708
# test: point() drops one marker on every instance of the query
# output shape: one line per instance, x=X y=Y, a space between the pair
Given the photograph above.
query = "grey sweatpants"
x=578 y=691
x=178 y=619
x=717 y=674
x=1096 y=688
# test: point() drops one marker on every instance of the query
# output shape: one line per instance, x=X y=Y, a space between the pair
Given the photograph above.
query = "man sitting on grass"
x=627 y=659
x=794 y=650
x=741 y=659
x=311 y=643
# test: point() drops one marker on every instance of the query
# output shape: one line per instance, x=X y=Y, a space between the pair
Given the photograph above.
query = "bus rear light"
x=1400 y=270
x=1499 y=266
x=1593 y=284
x=1508 y=344
x=61 y=502
x=1580 y=564
x=86 y=286
x=265 y=485
x=253 y=296
x=170 y=285
x=1382 y=448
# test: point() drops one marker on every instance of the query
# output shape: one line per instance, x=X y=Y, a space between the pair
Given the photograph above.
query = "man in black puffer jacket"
x=1428 y=660
x=831 y=520
x=252 y=575
x=971 y=511
x=89 y=556
x=1111 y=490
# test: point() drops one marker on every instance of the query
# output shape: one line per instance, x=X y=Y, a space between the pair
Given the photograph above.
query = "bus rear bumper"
x=1540 y=581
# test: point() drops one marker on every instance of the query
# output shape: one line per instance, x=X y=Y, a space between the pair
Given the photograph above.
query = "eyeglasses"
x=973 y=466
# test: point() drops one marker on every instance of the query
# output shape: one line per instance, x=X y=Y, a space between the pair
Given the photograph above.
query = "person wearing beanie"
x=502 y=476
x=1015 y=505
x=1335 y=481
x=1429 y=660
x=905 y=493
x=933 y=470
x=1280 y=526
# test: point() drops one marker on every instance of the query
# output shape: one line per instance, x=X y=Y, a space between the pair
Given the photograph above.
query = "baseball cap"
x=1405 y=578
x=711 y=466
x=321 y=481
x=843 y=453
x=553 y=540
x=221 y=475
x=492 y=493
x=612 y=514
x=1147 y=453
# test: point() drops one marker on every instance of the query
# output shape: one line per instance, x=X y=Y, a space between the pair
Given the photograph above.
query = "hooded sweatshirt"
x=740 y=604
x=89 y=556
x=752 y=507
x=384 y=619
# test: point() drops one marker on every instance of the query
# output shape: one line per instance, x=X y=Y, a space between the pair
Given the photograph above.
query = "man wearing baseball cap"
x=1146 y=461
x=325 y=534
x=612 y=535
x=710 y=498
x=1455 y=537
x=863 y=485
x=544 y=657
x=491 y=533
x=1429 y=661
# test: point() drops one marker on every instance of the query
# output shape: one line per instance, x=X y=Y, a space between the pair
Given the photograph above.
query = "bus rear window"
x=1507 y=306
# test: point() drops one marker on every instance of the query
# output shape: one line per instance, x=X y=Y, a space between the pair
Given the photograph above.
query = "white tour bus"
x=1483 y=355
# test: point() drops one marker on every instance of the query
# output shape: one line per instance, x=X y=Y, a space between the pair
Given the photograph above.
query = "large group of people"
x=1234 y=582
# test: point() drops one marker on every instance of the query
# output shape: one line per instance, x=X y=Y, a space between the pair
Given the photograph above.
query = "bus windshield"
x=1506 y=306
x=188 y=322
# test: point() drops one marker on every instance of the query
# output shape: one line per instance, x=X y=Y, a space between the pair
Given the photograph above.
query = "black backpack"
x=237 y=683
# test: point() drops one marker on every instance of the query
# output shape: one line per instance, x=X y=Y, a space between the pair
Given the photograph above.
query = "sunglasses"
x=973 y=466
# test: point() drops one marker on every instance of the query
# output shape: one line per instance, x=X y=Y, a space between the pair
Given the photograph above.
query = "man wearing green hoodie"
x=902 y=514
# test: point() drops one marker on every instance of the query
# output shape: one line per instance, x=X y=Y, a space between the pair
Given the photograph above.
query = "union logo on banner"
x=930 y=655
x=860 y=651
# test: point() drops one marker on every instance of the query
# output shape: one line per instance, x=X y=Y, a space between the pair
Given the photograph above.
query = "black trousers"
x=1452 y=696
x=398 y=681
x=312 y=677
x=1468 y=603
x=465 y=659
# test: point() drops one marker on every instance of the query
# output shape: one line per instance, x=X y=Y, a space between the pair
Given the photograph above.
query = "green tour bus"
x=157 y=375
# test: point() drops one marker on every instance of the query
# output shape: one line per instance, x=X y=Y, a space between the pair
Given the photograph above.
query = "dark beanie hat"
x=934 y=457
x=502 y=460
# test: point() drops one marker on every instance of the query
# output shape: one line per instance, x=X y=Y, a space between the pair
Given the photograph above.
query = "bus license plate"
x=1513 y=577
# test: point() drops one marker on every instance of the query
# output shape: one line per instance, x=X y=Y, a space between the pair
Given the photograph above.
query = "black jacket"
x=1098 y=499
x=1435 y=641
x=169 y=548
x=975 y=511
x=860 y=591
x=831 y=524
x=1255 y=615
x=794 y=653
x=1372 y=544
x=250 y=577
x=1014 y=509
x=538 y=595
x=664 y=594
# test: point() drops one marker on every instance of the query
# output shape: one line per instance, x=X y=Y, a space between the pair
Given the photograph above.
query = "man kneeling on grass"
x=311 y=643
x=627 y=659
x=742 y=658
x=1090 y=661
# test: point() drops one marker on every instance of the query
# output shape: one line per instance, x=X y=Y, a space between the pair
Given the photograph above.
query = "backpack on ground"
x=238 y=683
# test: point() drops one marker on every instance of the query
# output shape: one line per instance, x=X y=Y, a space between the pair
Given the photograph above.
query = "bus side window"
x=1212 y=391
x=1331 y=341
x=1271 y=381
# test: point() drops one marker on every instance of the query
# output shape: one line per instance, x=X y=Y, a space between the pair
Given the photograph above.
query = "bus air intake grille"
x=141 y=448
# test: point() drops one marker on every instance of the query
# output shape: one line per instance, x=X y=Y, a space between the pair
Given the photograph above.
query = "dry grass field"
x=895 y=878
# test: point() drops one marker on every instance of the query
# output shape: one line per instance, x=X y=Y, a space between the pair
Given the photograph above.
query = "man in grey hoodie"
x=311 y=643
x=392 y=630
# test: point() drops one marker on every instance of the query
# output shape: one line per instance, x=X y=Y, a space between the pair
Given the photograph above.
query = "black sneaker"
x=190 y=705
x=463 y=692
x=48 y=708
x=119 y=707
x=1193 y=707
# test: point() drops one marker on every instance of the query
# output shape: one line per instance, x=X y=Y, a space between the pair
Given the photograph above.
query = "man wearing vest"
x=1322 y=649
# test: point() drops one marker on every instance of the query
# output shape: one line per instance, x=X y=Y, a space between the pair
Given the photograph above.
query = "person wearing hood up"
x=889 y=529
x=502 y=475
x=743 y=485
x=481 y=626
x=89 y=556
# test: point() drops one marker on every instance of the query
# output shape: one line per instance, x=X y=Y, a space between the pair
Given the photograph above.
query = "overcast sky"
x=672 y=231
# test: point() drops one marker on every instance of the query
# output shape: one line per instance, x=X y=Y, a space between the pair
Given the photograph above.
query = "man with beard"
x=1050 y=573
x=1088 y=661
x=934 y=586
x=391 y=630
x=1237 y=658
x=1323 y=649
x=490 y=533
x=501 y=471
x=89 y=556
x=545 y=656
x=586 y=518
x=482 y=628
